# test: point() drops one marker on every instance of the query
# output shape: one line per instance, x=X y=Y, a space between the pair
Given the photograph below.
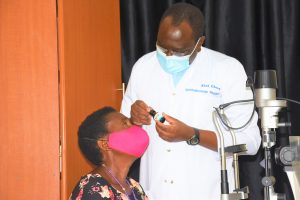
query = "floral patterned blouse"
x=94 y=187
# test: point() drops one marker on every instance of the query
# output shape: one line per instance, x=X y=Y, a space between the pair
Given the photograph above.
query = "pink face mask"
x=133 y=141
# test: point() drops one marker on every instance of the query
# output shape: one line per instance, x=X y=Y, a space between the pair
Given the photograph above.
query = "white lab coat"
x=176 y=170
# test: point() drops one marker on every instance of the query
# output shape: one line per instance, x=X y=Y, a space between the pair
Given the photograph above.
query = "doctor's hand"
x=176 y=131
x=140 y=113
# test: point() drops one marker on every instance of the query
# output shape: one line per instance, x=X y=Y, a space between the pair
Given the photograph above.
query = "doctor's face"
x=177 y=40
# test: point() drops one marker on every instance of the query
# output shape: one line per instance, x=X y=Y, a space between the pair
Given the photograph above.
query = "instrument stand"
x=268 y=112
x=238 y=193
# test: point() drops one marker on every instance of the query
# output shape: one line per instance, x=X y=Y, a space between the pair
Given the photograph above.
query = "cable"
x=249 y=83
x=290 y=100
x=235 y=128
x=222 y=106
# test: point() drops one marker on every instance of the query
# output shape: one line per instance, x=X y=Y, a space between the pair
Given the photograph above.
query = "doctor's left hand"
x=175 y=131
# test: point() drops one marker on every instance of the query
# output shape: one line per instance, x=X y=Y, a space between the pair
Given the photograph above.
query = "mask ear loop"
x=195 y=47
x=90 y=139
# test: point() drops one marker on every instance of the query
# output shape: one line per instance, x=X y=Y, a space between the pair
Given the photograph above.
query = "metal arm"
x=237 y=193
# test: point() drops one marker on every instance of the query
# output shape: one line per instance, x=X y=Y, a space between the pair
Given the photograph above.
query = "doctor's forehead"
x=175 y=36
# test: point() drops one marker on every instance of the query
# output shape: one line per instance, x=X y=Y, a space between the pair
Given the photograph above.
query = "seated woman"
x=109 y=140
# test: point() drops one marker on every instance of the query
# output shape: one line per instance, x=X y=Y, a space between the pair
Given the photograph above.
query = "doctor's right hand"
x=140 y=113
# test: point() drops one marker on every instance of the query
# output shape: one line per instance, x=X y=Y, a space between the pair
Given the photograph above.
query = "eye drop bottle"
x=157 y=116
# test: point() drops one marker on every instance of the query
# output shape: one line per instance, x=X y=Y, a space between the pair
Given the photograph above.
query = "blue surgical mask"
x=174 y=65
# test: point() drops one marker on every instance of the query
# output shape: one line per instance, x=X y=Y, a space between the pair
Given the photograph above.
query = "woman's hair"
x=90 y=130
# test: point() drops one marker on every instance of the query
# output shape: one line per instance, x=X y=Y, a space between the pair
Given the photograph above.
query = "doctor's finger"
x=162 y=134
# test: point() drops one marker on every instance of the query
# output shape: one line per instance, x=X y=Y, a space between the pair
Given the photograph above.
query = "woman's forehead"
x=115 y=121
x=115 y=116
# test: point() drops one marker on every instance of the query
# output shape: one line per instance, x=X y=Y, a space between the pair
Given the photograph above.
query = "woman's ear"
x=103 y=145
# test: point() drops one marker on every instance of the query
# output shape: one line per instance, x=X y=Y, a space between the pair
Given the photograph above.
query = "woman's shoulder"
x=91 y=186
x=90 y=179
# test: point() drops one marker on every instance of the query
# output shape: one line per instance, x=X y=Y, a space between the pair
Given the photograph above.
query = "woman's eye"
x=126 y=123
